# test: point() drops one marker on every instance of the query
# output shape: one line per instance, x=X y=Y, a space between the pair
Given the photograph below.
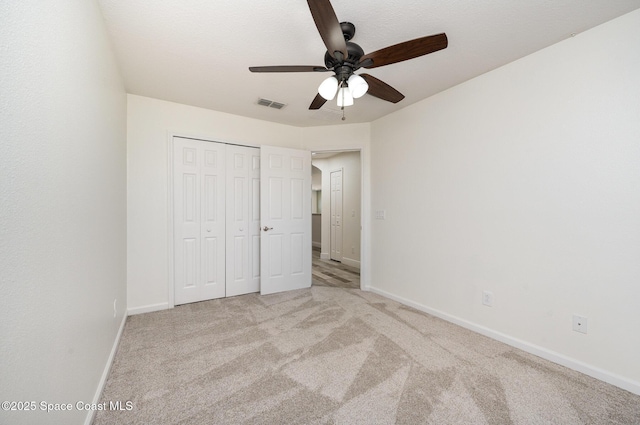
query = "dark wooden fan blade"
x=288 y=68
x=381 y=89
x=317 y=102
x=407 y=50
x=328 y=27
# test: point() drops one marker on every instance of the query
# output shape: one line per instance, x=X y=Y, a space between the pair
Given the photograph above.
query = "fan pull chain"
x=342 y=93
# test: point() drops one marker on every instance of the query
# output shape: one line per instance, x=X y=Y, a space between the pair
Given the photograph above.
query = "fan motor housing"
x=355 y=53
x=345 y=67
x=348 y=30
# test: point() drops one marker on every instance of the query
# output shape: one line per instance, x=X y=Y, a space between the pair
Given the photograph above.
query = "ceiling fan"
x=344 y=58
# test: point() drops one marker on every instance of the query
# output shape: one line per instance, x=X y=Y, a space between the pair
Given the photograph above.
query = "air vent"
x=271 y=103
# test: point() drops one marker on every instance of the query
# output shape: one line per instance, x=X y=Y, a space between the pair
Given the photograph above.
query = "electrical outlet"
x=353 y=249
x=580 y=324
x=380 y=214
x=487 y=298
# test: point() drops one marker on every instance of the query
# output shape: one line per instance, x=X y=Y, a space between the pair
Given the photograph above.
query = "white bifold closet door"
x=216 y=220
x=199 y=220
x=243 y=220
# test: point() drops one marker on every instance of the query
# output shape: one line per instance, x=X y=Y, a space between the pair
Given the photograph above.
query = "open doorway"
x=336 y=221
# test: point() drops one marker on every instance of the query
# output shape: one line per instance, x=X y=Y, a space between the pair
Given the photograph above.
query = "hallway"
x=333 y=273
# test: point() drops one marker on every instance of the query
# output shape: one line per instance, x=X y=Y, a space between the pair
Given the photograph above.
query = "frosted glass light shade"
x=358 y=86
x=328 y=88
x=344 y=97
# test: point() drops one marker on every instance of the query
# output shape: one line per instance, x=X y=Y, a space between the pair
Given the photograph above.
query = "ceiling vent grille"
x=271 y=103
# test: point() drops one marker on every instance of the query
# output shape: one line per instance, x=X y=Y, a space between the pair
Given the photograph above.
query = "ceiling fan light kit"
x=344 y=58
x=328 y=88
x=353 y=88
x=357 y=85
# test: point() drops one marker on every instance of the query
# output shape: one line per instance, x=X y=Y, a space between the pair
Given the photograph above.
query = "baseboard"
x=147 y=308
x=316 y=244
x=351 y=262
x=105 y=373
x=325 y=256
x=595 y=372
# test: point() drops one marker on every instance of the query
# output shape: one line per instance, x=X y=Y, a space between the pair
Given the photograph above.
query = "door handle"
x=266 y=229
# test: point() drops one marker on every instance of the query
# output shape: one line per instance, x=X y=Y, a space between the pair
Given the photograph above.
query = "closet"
x=216 y=220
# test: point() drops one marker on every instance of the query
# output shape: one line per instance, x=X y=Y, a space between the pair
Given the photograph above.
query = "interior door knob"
x=266 y=229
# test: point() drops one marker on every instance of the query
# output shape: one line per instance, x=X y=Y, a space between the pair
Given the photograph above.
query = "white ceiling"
x=198 y=52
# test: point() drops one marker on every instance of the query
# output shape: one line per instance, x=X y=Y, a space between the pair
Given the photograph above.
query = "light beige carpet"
x=338 y=356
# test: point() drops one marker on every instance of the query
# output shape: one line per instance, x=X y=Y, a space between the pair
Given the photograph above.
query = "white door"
x=199 y=220
x=336 y=215
x=243 y=220
x=285 y=212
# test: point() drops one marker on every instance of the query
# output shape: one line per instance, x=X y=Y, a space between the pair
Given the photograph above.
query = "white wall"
x=62 y=206
x=149 y=124
x=316 y=230
x=349 y=163
x=525 y=182
x=316 y=178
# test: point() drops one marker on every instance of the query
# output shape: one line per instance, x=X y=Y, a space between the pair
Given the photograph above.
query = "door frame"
x=170 y=199
x=365 y=209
